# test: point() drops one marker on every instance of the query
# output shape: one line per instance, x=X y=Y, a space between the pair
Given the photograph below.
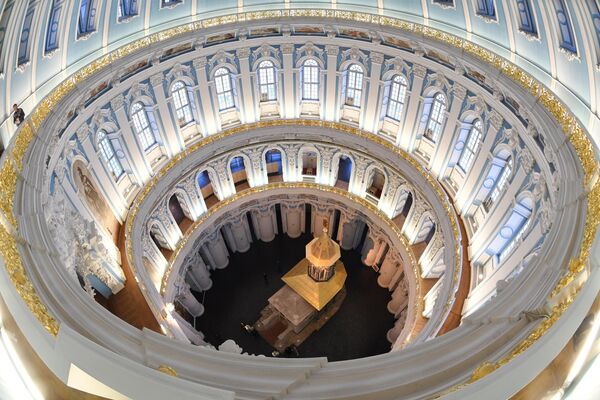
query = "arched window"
x=87 y=17
x=486 y=8
x=224 y=89
x=23 y=55
x=565 y=30
x=500 y=184
x=266 y=81
x=237 y=164
x=142 y=126
x=310 y=80
x=108 y=154
x=179 y=91
x=471 y=147
x=514 y=228
x=397 y=97
x=52 y=29
x=127 y=9
x=354 y=85
x=436 y=118
x=526 y=20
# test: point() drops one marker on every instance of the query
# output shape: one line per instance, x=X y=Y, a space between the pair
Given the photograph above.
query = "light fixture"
x=169 y=307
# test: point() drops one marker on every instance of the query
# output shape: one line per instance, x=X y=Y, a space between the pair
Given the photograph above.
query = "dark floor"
x=240 y=292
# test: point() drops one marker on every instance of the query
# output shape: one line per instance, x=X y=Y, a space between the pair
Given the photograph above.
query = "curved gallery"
x=524 y=155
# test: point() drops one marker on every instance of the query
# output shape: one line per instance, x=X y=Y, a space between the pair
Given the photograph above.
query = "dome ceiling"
x=130 y=124
x=569 y=70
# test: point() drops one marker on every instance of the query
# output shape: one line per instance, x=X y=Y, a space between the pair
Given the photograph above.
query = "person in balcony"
x=18 y=115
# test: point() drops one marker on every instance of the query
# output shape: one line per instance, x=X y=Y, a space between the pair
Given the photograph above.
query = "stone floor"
x=240 y=292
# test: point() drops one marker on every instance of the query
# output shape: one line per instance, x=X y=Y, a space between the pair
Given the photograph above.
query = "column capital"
x=157 y=79
x=82 y=132
x=459 y=91
x=496 y=119
x=377 y=58
x=244 y=52
x=332 y=50
x=200 y=62
x=287 y=48
x=117 y=102
x=419 y=71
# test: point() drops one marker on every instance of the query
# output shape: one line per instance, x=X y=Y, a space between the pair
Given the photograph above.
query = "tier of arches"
x=266 y=220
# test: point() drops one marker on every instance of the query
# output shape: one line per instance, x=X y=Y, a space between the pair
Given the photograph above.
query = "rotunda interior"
x=299 y=199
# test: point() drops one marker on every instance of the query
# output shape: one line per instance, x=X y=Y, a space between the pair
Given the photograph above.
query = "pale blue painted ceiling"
x=574 y=76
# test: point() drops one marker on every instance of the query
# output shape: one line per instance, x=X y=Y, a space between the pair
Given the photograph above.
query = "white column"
x=265 y=223
x=197 y=205
x=387 y=271
x=411 y=121
x=217 y=249
x=410 y=227
x=399 y=299
x=393 y=333
x=443 y=149
x=157 y=263
x=370 y=119
x=170 y=130
x=248 y=110
x=240 y=232
x=348 y=230
x=370 y=249
x=141 y=168
x=331 y=112
x=172 y=232
x=228 y=237
x=225 y=184
x=212 y=122
x=289 y=98
x=293 y=219
x=291 y=173
x=357 y=183
x=187 y=300
x=192 y=334
x=321 y=215
x=199 y=272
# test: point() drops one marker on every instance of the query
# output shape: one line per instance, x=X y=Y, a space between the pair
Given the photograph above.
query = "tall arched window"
x=436 y=118
x=514 y=228
x=397 y=97
x=127 y=9
x=266 y=81
x=87 y=17
x=224 y=89
x=179 y=91
x=526 y=20
x=354 y=85
x=565 y=29
x=52 y=30
x=486 y=8
x=142 y=126
x=471 y=147
x=500 y=184
x=310 y=80
x=108 y=154
x=23 y=55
